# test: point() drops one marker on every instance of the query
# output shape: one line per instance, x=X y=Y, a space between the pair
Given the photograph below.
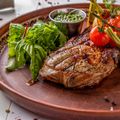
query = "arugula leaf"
x=58 y=35
x=45 y=35
x=43 y=38
x=62 y=28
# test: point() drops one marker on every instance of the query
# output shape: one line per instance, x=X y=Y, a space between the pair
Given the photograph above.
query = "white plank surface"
x=21 y=7
x=20 y=113
x=4 y=105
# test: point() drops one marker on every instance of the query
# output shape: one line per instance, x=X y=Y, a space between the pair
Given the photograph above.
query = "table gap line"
x=8 y=109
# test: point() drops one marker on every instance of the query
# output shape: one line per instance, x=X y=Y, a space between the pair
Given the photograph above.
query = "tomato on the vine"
x=112 y=43
x=99 y=38
x=115 y=22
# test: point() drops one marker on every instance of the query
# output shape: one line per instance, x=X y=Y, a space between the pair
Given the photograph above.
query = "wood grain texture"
x=55 y=101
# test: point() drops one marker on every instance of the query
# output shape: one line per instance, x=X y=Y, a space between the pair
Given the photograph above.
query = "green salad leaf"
x=33 y=48
x=16 y=32
x=62 y=28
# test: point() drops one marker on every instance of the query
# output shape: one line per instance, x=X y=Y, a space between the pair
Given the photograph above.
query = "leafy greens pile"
x=30 y=45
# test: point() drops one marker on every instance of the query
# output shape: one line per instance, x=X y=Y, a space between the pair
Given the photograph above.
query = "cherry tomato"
x=115 y=22
x=118 y=24
x=112 y=43
x=99 y=38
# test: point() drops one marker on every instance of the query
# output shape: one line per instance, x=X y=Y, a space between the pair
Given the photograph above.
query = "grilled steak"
x=79 y=63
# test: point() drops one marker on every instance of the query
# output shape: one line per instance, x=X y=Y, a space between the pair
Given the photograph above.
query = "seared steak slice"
x=79 y=63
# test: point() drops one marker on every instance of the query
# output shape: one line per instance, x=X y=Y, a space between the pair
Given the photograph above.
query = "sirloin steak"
x=79 y=63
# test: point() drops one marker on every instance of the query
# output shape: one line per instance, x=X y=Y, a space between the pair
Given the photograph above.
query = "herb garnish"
x=31 y=45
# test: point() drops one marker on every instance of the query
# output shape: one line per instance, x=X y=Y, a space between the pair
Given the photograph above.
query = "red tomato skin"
x=118 y=17
x=115 y=22
x=99 y=38
x=118 y=24
x=112 y=43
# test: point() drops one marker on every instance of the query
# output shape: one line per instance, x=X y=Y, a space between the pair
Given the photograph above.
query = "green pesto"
x=68 y=17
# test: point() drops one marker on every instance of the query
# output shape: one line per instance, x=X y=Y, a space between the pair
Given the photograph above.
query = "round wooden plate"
x=53 y=100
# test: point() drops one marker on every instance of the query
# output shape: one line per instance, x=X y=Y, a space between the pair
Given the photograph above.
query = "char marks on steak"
x=79 y=63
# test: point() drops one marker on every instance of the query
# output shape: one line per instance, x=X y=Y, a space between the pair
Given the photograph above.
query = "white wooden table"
x=21 y=7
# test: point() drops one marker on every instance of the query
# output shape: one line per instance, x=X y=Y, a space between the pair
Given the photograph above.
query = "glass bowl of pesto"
x=71 y=18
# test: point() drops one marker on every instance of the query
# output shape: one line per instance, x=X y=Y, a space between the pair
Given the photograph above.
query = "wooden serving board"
x=53 y=100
